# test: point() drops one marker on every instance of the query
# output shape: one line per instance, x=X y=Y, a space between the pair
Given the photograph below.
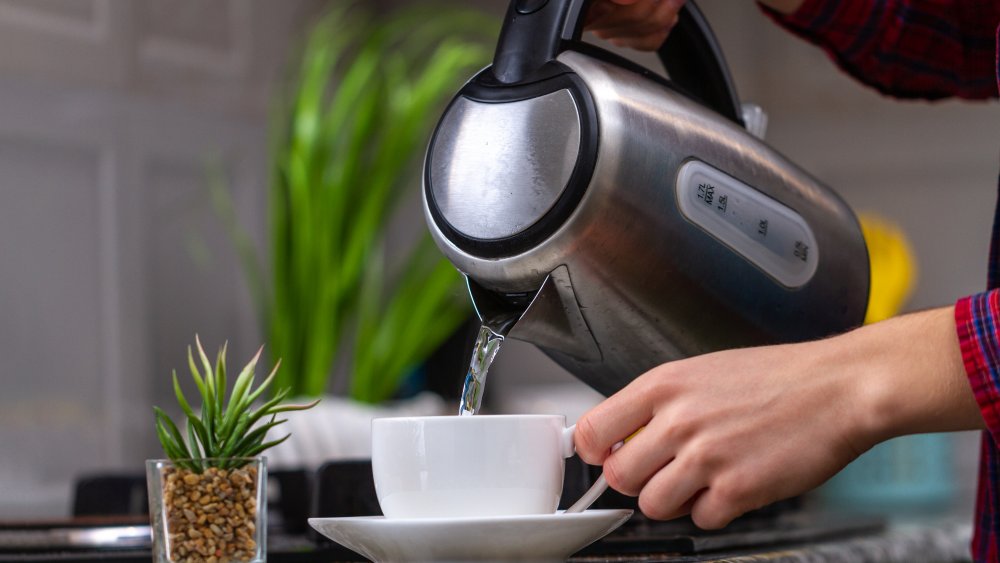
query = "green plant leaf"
x=220 y=383
x=207 y=366
x=243 y=382
x=255 y=438
x=290 y=408
x=171 y=435
x=193 y=442
x=343 y=151
x=169 y=446
x=207 y=408
x=233 y=438
x=267 y=408
x=251 y=397
x=256 y=450
x=196 y=375
x=234 y=434
x=181 y=400
x=204 y=434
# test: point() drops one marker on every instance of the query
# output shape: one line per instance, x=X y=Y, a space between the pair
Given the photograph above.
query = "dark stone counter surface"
x=910 y=543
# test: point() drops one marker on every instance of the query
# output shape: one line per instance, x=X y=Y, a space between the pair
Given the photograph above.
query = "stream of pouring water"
x=487 y=345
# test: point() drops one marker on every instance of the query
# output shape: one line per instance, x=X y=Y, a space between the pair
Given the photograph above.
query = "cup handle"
x=599 y=486
x=568 y=449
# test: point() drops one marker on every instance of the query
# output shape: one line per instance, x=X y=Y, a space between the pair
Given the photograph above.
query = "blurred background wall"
x=111 y=257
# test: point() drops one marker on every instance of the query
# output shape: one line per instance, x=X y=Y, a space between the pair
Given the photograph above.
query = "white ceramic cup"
x=469 y=466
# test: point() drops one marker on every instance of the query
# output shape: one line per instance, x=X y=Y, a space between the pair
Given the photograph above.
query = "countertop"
x=911 y=543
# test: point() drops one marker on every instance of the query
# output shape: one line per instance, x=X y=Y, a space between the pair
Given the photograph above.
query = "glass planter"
x=208 y=510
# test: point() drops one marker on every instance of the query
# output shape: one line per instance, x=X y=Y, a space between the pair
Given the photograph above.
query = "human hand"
x=640 y=24
x=729 y=432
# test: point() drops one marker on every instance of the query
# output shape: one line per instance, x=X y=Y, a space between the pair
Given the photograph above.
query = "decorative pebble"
x=211 y=517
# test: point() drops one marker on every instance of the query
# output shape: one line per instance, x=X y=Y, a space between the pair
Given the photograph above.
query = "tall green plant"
x=364 y=102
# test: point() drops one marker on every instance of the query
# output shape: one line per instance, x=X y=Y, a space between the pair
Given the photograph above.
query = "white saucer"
x=537 y=538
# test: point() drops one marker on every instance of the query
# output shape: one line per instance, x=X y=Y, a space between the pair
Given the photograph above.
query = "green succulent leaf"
x=229 y=448
x=290 y=408
x=256 y=438
x=250 y=398
x=205 y=438
x=206 y=365
x=176 y=441
x=243 y=381
x=181 y=400
x=254 y=451
x=220 y=382
x=207 y=406
x=225 y=430
x=193 y=444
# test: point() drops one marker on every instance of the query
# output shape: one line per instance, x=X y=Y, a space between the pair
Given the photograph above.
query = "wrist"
x=858 y=395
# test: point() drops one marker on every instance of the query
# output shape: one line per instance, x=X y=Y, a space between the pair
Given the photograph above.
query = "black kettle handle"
x=536 y=31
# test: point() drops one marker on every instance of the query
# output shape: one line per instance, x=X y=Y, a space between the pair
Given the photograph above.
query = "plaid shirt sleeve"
x=926 y=49
x=977 y=318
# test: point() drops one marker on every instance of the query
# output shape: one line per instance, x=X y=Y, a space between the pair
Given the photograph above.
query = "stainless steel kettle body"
x=618 y=220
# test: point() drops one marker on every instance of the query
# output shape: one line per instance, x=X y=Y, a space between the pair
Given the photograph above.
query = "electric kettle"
x=618 y=219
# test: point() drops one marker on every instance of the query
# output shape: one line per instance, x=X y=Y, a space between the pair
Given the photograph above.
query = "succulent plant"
x=225 y=433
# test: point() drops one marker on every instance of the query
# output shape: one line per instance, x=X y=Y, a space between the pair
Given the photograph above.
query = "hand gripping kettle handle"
x=536 y=31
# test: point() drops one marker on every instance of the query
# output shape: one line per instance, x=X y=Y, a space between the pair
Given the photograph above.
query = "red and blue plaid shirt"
x=933 y=49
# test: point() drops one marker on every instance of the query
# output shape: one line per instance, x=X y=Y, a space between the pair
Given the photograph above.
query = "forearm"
x=910 y=375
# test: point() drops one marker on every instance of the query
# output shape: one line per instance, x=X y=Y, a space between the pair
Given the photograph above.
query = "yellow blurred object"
x=893 y=267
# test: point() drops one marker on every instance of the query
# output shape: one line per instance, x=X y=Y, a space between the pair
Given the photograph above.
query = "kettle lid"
x=508 y=164
x=515 y=158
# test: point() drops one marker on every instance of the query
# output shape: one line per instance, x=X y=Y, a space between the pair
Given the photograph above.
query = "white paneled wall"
x=111 y=254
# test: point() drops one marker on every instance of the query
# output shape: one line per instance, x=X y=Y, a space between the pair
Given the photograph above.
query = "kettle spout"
x=550 y=319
